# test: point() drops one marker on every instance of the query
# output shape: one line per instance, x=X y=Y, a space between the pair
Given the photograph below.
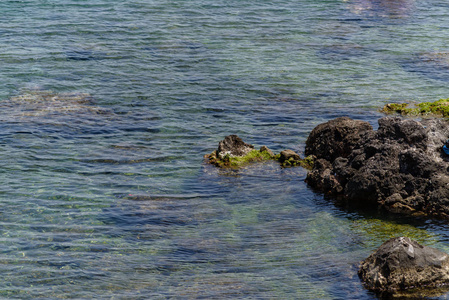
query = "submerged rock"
x=85 y=54
x=437 y=108
x=433 y=65
x=38 y=103
x=401 y=264
x=400 y=167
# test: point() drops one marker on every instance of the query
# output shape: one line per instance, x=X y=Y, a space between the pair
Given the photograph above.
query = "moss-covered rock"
x=233 y=152
x=289 y=158
x=437 y=108
x=232 y=161
x=308 y=162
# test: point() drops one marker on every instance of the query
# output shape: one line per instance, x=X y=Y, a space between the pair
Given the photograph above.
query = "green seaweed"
x=229 y=161
x=291 y=162
x=308 y=162
x=440 y=107
x=437 y=108
x=381 y=230
x=252 y=156
x=395 y=107
x=234 y=162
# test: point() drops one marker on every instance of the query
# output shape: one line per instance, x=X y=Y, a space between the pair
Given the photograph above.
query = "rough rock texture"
x=335 y=138
x=234 y=146
x=400 y=167
x=401 y=264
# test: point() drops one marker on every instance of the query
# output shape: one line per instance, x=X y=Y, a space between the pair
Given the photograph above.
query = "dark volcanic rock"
x=400 y=167
x=400 y=264
x=335 y=138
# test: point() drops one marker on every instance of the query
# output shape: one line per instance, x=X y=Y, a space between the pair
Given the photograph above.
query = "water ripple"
x=106 y=111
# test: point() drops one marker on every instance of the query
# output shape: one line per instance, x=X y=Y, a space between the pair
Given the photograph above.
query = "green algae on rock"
x=308 y=162
x=231 y=161
x=289 y=158
x=233 y=152
x=436 y=108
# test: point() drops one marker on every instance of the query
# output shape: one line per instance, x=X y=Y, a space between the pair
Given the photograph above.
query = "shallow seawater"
x=106 y=111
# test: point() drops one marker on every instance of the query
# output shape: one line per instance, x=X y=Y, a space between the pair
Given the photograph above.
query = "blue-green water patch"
x=111 y=198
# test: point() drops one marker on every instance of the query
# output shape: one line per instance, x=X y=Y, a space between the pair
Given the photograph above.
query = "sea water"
x=106 y=111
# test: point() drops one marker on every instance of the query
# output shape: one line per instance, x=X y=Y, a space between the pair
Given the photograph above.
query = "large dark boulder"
x=401 y=264
x=400 y=167
x=335 y=138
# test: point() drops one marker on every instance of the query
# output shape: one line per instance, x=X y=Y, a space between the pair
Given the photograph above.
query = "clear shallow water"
x=111 y=198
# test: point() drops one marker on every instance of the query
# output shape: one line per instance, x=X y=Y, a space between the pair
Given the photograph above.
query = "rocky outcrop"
x=234 y=146
x=401 y=264
x=233 y=152
x=400 y=167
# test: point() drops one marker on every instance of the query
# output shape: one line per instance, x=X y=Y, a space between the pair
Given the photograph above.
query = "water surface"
x=106 y=111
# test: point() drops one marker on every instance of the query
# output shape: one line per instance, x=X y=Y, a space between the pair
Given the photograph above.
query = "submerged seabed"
x=107 y=108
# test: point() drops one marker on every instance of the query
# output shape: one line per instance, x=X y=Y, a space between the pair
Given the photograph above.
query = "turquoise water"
x=106 y=111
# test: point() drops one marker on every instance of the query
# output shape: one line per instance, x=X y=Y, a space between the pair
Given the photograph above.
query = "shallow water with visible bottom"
x=107 y=108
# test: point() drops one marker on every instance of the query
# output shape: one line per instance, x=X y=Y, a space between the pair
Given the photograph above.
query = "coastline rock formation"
x=401 y=264
x=400 y=167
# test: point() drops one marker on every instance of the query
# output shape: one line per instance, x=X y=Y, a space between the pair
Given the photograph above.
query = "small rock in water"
x=266 y=149
x=233 y=152
x=234 y=146
x=288 y=154
x=401 y=264
x=289 y=158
